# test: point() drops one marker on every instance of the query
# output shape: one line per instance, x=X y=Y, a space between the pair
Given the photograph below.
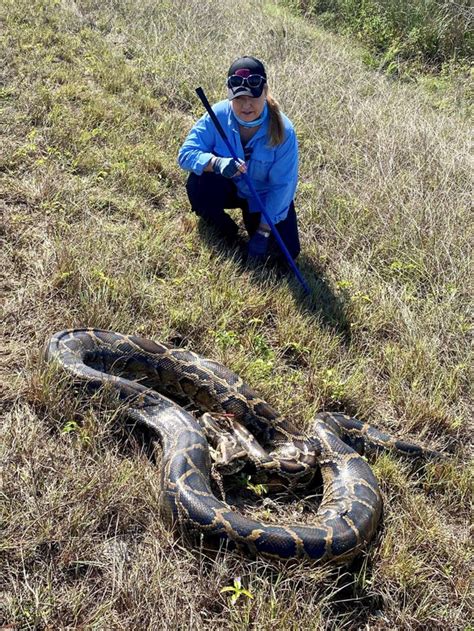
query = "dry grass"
x=97 y=97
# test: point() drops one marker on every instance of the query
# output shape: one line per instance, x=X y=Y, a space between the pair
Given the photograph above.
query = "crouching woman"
x=264 y=141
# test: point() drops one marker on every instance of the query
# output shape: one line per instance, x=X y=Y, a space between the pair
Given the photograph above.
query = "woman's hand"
x=228 y=167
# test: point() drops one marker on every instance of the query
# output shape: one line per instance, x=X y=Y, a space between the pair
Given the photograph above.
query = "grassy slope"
x=428 y=34
x=96 y=100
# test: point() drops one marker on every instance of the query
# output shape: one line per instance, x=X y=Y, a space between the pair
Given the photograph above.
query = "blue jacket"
x=273 y=170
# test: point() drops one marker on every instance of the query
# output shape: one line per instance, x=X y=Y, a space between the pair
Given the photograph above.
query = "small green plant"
x=333 y=384
x=343 y=284
x=73 y=427
x=258 y=489
x=227 y=339
x=260 y=369
x=236 y=590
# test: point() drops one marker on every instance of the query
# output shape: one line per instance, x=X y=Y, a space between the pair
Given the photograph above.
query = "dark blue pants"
x=210 y=193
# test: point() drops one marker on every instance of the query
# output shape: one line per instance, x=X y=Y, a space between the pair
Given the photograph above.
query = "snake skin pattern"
x=240 y=427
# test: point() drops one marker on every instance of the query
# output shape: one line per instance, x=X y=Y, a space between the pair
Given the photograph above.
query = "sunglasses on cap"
x=252 y=81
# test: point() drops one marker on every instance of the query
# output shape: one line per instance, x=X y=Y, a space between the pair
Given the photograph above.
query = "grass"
x=403 y=37
x=96 y=99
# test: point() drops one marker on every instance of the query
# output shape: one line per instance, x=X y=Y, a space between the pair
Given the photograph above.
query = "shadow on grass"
x=321 y=301
x=354 y=605
x=347 y=598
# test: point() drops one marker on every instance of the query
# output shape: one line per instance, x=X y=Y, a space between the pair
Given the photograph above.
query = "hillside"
x=96 y=99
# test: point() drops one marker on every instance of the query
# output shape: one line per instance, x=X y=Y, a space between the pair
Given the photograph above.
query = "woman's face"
x=249 y=108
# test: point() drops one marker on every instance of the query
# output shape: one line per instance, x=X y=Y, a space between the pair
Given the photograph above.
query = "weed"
x=236 y=591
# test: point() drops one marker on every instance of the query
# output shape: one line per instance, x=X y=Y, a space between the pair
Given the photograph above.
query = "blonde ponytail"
x=276 y=131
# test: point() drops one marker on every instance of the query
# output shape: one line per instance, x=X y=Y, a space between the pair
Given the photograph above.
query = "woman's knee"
x=208 y=191
x=288 y=230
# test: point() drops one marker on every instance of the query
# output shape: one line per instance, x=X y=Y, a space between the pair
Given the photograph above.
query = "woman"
x=264 y=140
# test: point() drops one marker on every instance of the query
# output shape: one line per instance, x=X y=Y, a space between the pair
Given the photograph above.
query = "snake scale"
x=235 y=425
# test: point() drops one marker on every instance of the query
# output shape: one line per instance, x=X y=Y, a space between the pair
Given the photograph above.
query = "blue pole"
x=276 y=234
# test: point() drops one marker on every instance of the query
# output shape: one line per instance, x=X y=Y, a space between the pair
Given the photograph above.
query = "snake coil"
x=145 y=373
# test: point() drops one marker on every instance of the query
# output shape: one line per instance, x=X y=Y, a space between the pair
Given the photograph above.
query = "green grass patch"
x=422 y=31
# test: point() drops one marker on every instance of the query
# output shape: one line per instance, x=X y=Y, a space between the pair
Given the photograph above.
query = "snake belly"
x=144 y=374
